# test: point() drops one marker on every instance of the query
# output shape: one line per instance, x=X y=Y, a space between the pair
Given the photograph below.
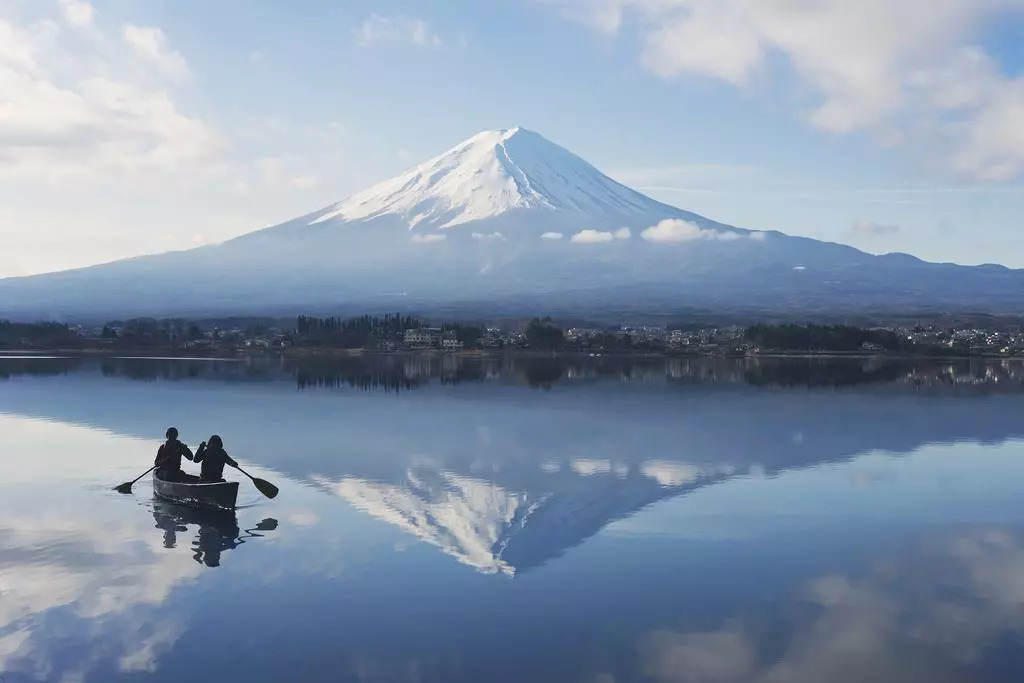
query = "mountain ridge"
x=508 y=216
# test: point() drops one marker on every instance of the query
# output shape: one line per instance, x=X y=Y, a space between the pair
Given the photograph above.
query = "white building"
x=423 y=337
x=449 y=342
x=431 y=338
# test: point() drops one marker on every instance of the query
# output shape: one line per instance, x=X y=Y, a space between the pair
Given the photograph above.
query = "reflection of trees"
x=353 y=373
x=473 y=371
x=152 y=369
x=391 y=373
x=793 y=372
x=542 y=372
x=11 y=367
x=545 y=372
x=402 y=372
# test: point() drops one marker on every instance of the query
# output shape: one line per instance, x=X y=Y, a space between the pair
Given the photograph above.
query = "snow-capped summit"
x=490 y=174
x=509 y=221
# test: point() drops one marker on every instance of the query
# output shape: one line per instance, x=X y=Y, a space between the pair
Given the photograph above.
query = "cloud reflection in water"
x=939 y=610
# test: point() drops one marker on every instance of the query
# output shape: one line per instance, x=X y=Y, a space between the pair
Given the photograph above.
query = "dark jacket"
x=213 y=460
x=168 y=456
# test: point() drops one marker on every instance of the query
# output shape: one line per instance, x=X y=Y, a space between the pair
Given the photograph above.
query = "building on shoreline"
x=431 y=338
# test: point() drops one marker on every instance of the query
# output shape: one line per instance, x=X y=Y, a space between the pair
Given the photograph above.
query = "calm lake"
x=585 y=520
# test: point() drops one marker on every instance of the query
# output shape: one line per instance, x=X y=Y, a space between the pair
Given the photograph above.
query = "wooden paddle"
x=264 y=486
x=127 y=486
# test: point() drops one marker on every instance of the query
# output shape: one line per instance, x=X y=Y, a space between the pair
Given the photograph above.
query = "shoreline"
x=312 y=353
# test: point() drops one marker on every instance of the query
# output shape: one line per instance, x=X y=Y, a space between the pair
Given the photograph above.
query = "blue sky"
x=131 y=127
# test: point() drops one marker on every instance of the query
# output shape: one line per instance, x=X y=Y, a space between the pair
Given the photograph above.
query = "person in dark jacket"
x=168 y=457
x=213 y=457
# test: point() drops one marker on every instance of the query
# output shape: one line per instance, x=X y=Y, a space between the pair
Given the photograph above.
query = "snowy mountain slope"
x=508 y=218
x=494 y=173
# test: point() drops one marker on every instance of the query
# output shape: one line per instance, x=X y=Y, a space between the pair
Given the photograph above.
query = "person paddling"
x=213 y=457
x=168 y=457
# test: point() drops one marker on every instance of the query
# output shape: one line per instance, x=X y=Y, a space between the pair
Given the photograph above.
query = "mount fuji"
x=510 y=219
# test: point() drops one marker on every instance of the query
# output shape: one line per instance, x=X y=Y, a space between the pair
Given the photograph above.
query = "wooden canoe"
x=219 y=495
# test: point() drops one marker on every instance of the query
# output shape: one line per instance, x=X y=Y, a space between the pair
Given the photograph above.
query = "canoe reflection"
x=218 y=530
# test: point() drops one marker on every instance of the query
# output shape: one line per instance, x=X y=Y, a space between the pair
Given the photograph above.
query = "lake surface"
x=593 y=520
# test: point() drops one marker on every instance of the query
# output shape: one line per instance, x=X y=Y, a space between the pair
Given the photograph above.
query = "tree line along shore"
x=404 y=333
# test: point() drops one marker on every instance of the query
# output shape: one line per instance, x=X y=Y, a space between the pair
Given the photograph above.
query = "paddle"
x=264 y=486
x=127 y=486
x=269 y=524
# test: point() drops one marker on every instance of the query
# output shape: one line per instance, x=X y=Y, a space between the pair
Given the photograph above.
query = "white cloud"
x=712 y=40
x=146 y=651
x=674 y=230
x=591 y=237
x=678 y=230
x=379 y=30
x=77 y=12
x=13 y=643
x=151 y=44
x=552 y=236
x=868 y=229
x=428 y=239
x=604 y=16
x=65 y=113
x=22 y=48
x=590 y=467
x=928 y=86
x=622 y=234
x=303 y=518
x=670 y=473
x=935 y=610
x=759 y=236
x=994 y=146
x=112 y=588
x=256 y=57
x=85 y=118
x=488 y=237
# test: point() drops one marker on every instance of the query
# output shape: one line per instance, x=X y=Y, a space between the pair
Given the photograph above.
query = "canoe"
x=219 y=495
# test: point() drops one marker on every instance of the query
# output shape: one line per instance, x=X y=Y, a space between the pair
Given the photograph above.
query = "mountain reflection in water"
x=495 y=530
x=529 y=482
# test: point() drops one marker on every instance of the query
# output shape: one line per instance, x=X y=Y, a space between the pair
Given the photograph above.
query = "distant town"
x=398 y=333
